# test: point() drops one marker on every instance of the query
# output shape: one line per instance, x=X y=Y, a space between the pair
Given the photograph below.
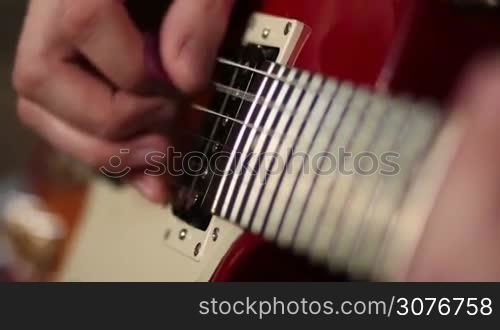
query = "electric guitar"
x=272 y=195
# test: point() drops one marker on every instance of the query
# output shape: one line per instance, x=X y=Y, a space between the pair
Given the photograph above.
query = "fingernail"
x=147 y=144
x=150 y=188
x=144 y=189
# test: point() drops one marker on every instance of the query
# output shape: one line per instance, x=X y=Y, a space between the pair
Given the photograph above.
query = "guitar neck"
x=338 y=173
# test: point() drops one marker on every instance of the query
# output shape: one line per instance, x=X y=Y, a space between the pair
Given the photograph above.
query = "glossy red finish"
x=350 y=39
x=440 y=41
x=253 y=259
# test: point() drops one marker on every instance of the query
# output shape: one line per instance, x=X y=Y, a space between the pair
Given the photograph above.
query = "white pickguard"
x=122 y=238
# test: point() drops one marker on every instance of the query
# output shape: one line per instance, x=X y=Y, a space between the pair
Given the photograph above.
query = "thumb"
x=190 y=39
x=462 y=238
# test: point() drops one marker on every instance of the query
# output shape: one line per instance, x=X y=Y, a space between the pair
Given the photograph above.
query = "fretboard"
x=337 y=173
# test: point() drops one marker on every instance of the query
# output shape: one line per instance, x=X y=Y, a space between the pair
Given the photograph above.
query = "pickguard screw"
x=288 y=28
x=167 y=234
x=197 y=249
x=183 y=234
x=215 y=234
x=265 y=33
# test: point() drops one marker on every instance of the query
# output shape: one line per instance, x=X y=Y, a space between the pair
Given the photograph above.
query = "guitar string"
x=243 y=96
x=214 y=130
x=240 y=107
x=261 y=100
x=229 y=91
x=250 y=97
x=262 y=130
x=273 y=76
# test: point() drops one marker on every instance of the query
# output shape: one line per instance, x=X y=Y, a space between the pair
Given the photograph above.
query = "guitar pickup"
x=288 y=36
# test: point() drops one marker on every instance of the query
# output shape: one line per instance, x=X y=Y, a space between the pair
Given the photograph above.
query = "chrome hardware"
x=215 y=234
x=265 y=33
x=197 y=249
x=196 y=242
x=183 y=234
x=167 y=234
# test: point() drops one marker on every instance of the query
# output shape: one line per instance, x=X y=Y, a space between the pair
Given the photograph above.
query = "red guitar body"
x=418 y=47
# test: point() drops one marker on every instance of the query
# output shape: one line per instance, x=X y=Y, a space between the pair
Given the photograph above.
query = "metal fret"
x=347 y=221
x=360 y=189
x=248 y=172
x=334 y=193
x=278 y=202
x=297 y=200
x=310 y=213
x=373 y=222
x=302 y=148
x=265 y=145
x=253 y=175
x=298 y=196
x=276 y=146
x=231 y=189
x=405 y=228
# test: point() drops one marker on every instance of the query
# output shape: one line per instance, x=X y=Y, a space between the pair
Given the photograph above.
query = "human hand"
x=84 y=85
x=462 y=238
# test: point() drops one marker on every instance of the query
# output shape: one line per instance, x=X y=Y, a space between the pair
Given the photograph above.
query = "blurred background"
x=16 y=142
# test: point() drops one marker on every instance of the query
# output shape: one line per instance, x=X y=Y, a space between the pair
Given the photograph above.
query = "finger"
x=462 y=239
x=190 y=38
x=152 y=188
x=103 y=31
x=91 y=105
x=92 y=151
